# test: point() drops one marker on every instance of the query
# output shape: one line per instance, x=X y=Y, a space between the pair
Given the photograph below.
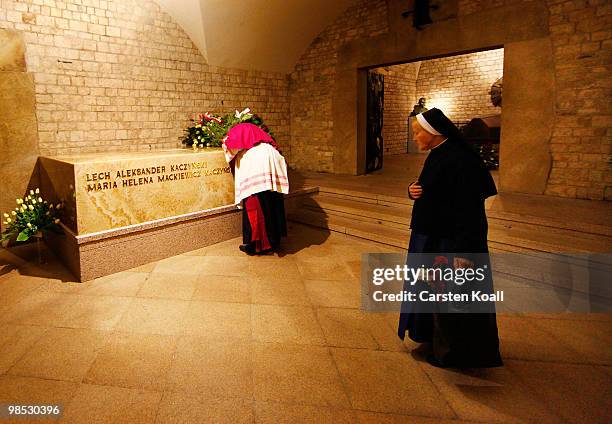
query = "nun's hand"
x=415 y=190
x=459 y=263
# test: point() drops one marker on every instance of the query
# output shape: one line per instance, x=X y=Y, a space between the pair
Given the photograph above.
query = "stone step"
x=363 y=196
x=393 y=216
x=538 y=235
x=493 y=213
x=386 y=224
x=373 y=232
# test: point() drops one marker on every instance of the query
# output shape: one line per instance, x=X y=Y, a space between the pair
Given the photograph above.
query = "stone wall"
x=120 y=75
x=581 y=38
x=313 y=81
x=18 y=132
x=459 y=85
x=400 y=93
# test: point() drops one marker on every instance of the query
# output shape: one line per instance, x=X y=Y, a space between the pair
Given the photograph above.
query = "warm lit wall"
x=400 y=89
x=459 y=85
x=313 y=81
x=121 y=75
x=580 y=145
x=578 y=33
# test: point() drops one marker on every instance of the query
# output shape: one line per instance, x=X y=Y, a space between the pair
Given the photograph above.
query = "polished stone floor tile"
x=389 y=382
x=61 y=354
x=31 y=390
x=217 y=320
x=523 y=338
x=125 y=284
x=105 y=404
x=169 y=286
x=286 y=324
x=324 y=269
x=577 y=393
x=15 y=340
x=181 y=264
x=182 y=408
x=40 y=308
x=215 y=368
x=590 y=339
x=279 y=292
x=95 y=312
x=296 y=374
x=224 y=265
x=491 y=395
x=154 y=316
x=136 y=361
x=283 y=413
x=356 y=329
x=331 y=293
x=219 y=288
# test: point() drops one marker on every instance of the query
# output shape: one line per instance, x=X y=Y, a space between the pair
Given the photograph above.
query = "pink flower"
x=440 y=260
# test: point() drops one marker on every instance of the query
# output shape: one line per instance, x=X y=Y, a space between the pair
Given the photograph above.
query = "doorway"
x=466 y=87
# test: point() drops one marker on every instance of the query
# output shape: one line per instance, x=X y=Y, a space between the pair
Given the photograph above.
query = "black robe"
x=449 y=217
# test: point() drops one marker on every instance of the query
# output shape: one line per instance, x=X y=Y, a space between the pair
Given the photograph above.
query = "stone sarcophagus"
x=105 y=191
x=158 y=204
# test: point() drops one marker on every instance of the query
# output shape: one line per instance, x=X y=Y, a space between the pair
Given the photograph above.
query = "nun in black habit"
x=448 y=218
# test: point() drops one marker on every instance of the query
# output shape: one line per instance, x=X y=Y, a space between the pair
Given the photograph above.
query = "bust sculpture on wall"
x=419 y=107
x=496 y=92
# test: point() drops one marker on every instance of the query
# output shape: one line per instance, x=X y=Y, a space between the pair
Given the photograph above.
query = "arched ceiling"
x=263 y=35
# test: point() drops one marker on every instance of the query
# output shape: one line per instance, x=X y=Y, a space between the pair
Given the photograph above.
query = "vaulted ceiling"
x=265 y=35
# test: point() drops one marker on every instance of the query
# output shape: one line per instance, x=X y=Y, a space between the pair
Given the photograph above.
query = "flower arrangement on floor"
x=31 y=217
x=209 y=130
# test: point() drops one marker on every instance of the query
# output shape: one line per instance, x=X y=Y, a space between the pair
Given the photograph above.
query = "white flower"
x=37 y=191
x=22 y=209
x=19 y=201
x=13 y=213
x=30 y=207
x=57 y=221
x=8 y=220
x=29 y=225
x=48 y=213
x=244 y=112
x=51 y=206
x=6 y=215
x=40 y=200
x=33 y=201
x=58 y=206
x=31 y=192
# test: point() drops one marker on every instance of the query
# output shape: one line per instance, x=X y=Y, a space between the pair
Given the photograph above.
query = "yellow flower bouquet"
x=31 y=217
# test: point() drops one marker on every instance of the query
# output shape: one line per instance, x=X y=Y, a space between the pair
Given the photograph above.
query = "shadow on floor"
x=25 y=259
x=300 y=237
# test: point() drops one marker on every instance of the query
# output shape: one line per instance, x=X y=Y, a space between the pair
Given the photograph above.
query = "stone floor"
x=216 y=336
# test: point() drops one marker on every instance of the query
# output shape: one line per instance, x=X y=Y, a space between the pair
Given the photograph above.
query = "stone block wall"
x=400 y=93
x=581 y=40
x=313 y=81
x=581 y=35
x=18 y=132
x=121 y=75
x=459 y=85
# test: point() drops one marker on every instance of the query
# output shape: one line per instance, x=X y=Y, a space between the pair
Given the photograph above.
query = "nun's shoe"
x=435 y=362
